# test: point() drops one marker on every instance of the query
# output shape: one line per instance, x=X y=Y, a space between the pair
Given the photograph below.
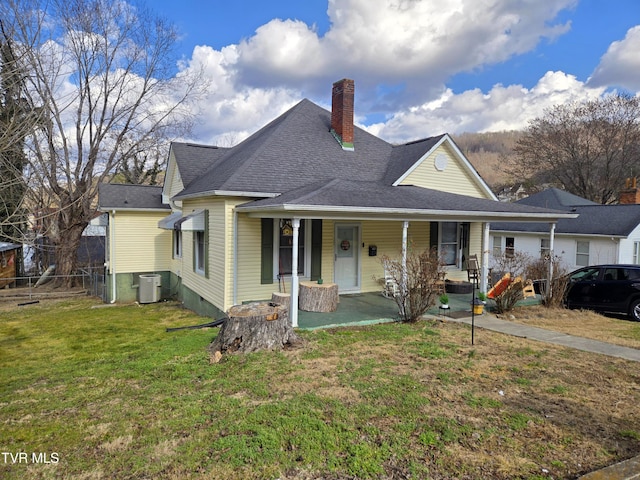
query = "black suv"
x=606 y=288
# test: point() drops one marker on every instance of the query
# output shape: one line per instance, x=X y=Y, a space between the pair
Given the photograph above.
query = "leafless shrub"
x=514 y=263
x=417 y=285
x=539 y=270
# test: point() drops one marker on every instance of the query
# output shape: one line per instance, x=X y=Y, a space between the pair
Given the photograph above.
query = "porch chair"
x=390 y=286
x=473 y=270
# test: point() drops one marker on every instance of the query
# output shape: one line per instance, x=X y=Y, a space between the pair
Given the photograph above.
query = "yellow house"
x=134 y=244
x=311 y=190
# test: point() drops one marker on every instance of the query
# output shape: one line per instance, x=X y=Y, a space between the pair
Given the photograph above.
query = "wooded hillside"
x=485 y=150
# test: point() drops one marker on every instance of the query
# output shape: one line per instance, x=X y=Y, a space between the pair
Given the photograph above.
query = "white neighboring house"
x=601 y=234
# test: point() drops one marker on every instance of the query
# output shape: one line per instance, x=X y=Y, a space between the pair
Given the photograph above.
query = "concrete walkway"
x=490 y=322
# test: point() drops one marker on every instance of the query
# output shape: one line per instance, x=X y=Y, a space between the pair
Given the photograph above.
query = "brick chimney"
x=630 y=195
x=342 y=112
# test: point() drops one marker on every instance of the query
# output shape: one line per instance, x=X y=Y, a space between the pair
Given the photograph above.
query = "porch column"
x=484 y=272
x=293 y=314
x=405 y=227
x=552 y=232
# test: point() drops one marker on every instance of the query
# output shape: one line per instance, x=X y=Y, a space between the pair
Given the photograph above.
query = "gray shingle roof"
x=555 y=198
x=296 y=159
x=131 y=197
x=405 y=156
x=379 y=198
x=291 y=151
x=593 y=219
x=193 y=159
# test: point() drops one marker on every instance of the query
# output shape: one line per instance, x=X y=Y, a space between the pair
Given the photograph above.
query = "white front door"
x=347 y=258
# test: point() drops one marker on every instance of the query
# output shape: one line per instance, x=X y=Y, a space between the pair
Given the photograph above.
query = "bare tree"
x=586 y=148
x=16 y=121
x=101 y=72
x=144 y=166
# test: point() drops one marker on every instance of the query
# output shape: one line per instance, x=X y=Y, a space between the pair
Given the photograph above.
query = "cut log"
x=315 y=297
x=280 y=298
x=255 y=326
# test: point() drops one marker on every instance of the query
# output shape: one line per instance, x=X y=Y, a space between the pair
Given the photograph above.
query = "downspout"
x=484 y=273
x=112 y=257
x=235 y=257
x=294 y=274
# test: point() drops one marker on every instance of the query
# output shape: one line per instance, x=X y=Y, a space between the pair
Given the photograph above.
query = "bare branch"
x=101 y=75
x=586 y=148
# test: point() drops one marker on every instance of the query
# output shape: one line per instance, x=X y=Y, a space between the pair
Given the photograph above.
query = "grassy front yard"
x=104 y=393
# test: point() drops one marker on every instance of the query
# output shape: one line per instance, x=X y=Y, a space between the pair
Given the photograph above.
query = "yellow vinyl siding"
x=219 y=287
x=327 y=264
x=176 y=263
x=454 y=179
x=140 y=246
x=249 y=254
x=212 y=288
x=475 y=240
x=387 y=237
x=175 y=182
x=229 y=260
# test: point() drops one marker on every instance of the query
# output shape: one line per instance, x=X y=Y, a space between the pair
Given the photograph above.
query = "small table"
x=443 y=309
x=318 y=297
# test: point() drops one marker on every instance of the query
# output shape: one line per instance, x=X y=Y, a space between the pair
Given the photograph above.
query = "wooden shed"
x=9 y=260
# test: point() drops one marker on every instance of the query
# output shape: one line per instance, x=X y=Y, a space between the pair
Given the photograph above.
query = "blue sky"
x=421 y=67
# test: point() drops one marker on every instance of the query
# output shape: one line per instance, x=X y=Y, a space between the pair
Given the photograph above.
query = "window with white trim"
x=177 y=244
x=545 y=247
x=496 y=245
x=449 y=242
x=582 y=253
x=199 y=252
x=636 y=253
x=283 y=232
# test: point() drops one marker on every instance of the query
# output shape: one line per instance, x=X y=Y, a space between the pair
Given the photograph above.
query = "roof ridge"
x=426 y=139
x=202 y=145
x=132 y=184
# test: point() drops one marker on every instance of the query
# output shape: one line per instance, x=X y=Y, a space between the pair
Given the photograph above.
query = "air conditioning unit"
x=149 y=288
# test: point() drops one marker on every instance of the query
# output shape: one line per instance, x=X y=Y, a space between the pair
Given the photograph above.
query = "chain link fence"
x=31 y=288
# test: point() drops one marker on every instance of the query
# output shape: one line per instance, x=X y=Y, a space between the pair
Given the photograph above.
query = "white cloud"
x=230 y=111
x=620 y=65
x=396 y=41
x=406 y=49
x=502 y=108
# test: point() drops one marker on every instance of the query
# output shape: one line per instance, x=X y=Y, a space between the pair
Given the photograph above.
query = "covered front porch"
x=371 y=308
x=350 y=226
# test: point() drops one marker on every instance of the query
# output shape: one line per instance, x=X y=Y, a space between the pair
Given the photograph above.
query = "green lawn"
x=107 y=393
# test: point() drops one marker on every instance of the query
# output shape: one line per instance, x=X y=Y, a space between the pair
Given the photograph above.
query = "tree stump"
x=280 y=298
x=252 y=327
x=318 y=297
